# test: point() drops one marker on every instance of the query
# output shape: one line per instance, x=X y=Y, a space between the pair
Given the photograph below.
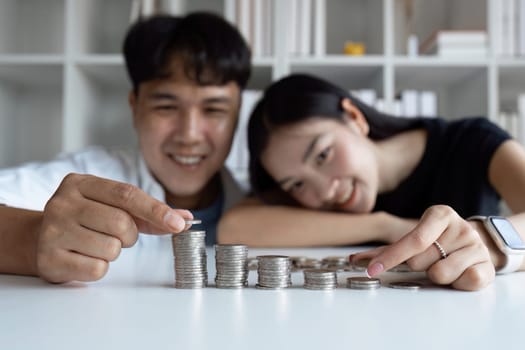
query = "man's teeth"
x=188 y=160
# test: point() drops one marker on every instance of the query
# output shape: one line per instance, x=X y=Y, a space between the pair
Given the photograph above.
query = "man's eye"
x=166 y=108
x=216 y=111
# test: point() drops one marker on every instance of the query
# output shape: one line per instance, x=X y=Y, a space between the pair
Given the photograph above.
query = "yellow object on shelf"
x=354 y=48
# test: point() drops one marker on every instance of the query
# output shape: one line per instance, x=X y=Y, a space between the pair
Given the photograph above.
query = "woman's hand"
x=444 y=245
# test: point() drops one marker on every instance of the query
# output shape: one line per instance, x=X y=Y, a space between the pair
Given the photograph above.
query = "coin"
x=363 y=283
x=405 y=285
x=335 y=263
x=190 y=259
x=320 y=279
x=360 y=265
x=231 y=267
x=403 y=267
x=193 y=222
x=274 y=272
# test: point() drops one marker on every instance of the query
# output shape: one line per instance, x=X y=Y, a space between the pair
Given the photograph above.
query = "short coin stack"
x=274 y=272
x=231 y=264
x=189 y=249
x=335 y=263
x=320 y=279
x=363 y=283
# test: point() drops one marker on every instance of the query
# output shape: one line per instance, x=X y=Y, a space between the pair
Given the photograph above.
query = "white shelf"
x=63 y=83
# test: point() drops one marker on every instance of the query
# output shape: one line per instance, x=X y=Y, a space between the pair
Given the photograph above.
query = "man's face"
x=185 y=132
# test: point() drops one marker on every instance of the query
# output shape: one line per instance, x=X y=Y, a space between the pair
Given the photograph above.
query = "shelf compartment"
x=510 y=85
x=31 y=118
x=358 y=21
x=100 y=26
x=424 y=17
x=99 y=112
x=348 y=76
x=32 y=27
x=461 y=90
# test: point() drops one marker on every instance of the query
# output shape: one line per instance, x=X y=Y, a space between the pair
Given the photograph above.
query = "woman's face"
x=325 y=163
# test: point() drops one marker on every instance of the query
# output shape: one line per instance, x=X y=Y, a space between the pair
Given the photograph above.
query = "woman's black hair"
x=296 y=98
x=212 y=51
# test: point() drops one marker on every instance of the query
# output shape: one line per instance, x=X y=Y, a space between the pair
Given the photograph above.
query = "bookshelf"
x=63 y=84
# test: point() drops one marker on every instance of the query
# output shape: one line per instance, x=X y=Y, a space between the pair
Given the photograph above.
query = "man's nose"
x=189 y=129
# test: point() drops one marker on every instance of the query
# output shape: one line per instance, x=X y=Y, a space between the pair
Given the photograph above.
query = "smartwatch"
x=506 y=238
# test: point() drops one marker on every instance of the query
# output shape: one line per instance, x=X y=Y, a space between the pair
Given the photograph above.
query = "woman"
x=313 y=145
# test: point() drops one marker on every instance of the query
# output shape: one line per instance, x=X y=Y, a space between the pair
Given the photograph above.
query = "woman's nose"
x=326 y=188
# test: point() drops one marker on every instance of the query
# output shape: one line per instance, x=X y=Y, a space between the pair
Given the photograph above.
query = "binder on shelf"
x=428 y=104
x=521 y=27
x=410 y=103
x=305 y=26
x=238 y=157
x=320 y=27
x=244 y=19
x=521 y=116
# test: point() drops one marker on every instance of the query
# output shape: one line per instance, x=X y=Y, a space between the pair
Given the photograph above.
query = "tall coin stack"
x=189 y=249
x=320 y=279
x=274 y=272
x=231 y=264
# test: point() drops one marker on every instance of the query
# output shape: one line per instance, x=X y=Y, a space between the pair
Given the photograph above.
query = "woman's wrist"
x=497 y=257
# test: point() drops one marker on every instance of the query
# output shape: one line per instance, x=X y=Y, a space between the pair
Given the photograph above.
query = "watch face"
x=508 y=233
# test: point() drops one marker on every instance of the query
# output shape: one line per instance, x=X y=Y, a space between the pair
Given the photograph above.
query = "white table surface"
x=136 y=307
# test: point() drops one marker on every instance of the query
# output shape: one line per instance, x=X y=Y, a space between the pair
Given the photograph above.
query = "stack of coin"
x=335 y=263
x=363 y=283
x=360 y=265
x=231 y=264
x=252 y=263
x=274 y=272
x=297 y=262
x=320 y=279
x=189 y=249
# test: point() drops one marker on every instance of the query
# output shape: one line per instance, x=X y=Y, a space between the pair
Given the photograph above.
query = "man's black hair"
x=210 y=49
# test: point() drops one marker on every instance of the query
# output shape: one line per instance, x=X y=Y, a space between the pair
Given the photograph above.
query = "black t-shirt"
x=453 y=171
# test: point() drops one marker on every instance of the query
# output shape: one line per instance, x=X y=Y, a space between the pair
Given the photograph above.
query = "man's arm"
x=83 y=227
x=18 y=240
x=259 y=225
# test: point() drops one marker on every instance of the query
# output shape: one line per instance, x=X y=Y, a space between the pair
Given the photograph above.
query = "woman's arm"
x=259 y=225
x=507 y=175
x=461 y=257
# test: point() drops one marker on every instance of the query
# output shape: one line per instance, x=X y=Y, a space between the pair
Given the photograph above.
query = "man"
x=67 y=219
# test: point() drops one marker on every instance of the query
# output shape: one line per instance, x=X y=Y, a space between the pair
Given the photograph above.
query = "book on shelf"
x=456 y=42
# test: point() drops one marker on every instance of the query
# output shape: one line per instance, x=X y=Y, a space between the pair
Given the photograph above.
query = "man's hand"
x=89 y=220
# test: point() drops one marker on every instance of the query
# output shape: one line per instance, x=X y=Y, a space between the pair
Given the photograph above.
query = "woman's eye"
x=296 y=186
x=321 y=157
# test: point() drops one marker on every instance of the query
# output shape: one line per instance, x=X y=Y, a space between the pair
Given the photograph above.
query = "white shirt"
x=31 y=185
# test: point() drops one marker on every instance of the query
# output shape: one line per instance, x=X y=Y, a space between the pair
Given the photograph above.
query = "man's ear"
x=354 y=116
x=132 y=100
